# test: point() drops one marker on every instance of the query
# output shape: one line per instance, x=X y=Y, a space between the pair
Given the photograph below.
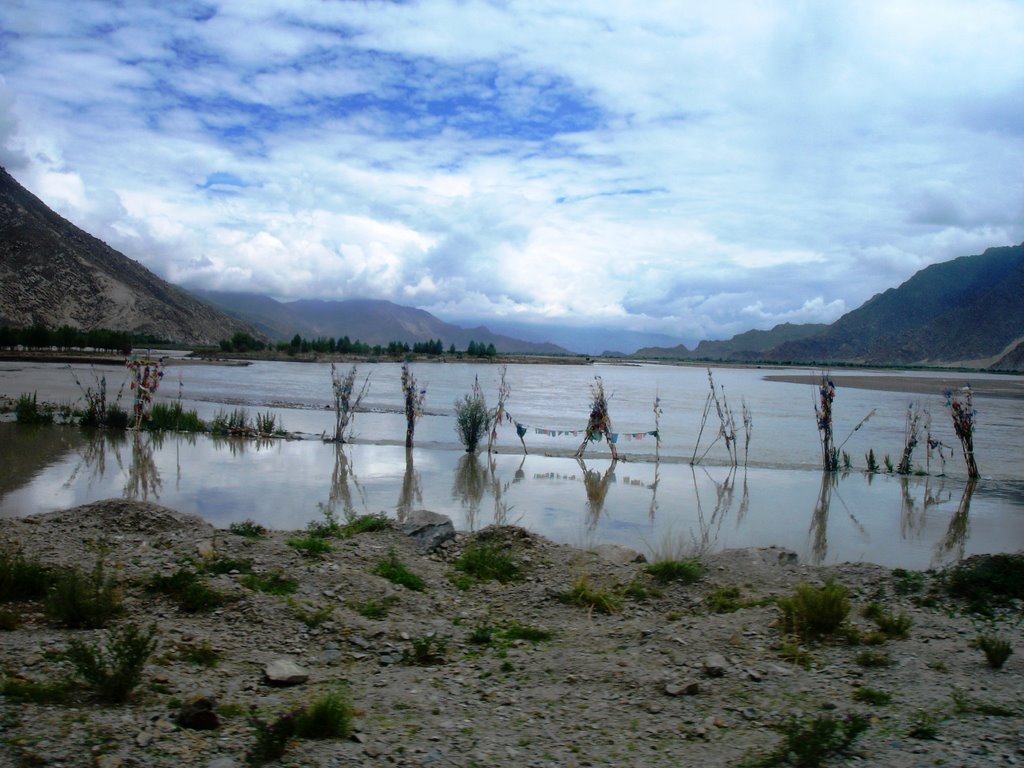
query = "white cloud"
x=687 y=169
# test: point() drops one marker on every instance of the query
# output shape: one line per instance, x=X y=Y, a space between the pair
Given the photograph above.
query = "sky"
x=695 y=169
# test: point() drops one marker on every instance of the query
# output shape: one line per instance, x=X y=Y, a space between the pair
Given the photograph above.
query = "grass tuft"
x=78 y=600
x=487 y=562
x=187 y=590
x=684 y=571
x=996 y=650
x=584 y=596
x=21 y=578
x=248 y=529
x=814 y=611
x=810 y=741
x=395 y=571
x=273 y=583
x=872 y=696
x=114 y=669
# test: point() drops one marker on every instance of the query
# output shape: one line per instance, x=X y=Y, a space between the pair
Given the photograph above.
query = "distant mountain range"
x=373 y=321
x=967 y=312
x=53 y=273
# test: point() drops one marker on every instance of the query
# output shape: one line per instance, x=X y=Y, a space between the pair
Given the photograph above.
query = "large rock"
x=197 y=713
x=428 y=529
x=285 y=672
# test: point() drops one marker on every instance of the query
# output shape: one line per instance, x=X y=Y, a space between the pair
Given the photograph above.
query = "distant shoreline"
x=1011 y=387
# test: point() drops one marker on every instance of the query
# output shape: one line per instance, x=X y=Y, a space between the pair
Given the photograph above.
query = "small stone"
x=144 y=739
x=197 y=713
x=108 y=761
x=715 y=665
x=285 y=672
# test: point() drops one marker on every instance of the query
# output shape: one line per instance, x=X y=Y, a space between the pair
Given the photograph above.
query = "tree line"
x=68 y=337
x=343 y=345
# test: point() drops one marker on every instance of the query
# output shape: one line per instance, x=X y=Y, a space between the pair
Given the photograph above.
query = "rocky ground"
x=664 y=681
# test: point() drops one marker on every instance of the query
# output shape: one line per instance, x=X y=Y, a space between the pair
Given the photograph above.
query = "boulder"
x=285 y=672
x=428 y=529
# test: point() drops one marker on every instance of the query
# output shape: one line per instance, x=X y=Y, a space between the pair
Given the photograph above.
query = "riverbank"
x=662 y=680
x=1007 y=386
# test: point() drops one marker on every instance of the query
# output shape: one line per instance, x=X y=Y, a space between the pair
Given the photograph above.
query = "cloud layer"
x=693 y=169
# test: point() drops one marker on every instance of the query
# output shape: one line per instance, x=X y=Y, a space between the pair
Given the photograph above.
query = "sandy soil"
x=1006 y=386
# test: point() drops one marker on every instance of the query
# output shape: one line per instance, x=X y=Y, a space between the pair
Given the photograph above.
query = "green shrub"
x=794 y=653
x=683 y=571
x=872 y=696
x=809 y=741
x=375 y=609
x=117 y=417
x=171 y=417
x=225 y=423
x=814 y=611
x=310 y=546
x=996 y=650
x=582 y=595
x=310 y=615
x=873 y=659
x=482 y=634
x=486 y=562
x=49 y=692
x=924 y=726
x=266 y=424
x=21 y=578
x=895 y=626
x=907 y=582
x=425 y=651
x=27 y=411
x=395 y=571
x=187 y=590
x=201 y=654
x=222 y=565
x=248 y=529
x=9 y=620
x=114 y=670
x=516 y=631
x=471 y=419
x=365 y=524
x=274 y=583
x=327 y=528
x=987 y=581
x=965 y=705
x=329 y=717
x=725 y=600
x=79 y=600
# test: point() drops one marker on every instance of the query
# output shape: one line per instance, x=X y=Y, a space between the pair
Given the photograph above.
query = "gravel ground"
x=665 y=681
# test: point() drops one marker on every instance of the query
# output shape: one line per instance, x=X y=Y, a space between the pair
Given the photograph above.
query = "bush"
x=172 y=417
x=79 y=600
x=114 y=670
x=374 y=609
x=987 y=581
x=684 y=571
x=471 y=419
x=248 y=529
x=873 y=659
x=330 y=717
x=807 y=742
x=395 y=571
x=365 y=524
x=27 y=411
x=896 y=626
x=814 y=611
x=20 y=578
x=425 y=651
x=487 y=562
x=996 y=650
x=36 y=692
x=872 y=696
x=310 y=546
x=275 y=583
x=582 y=595
x=187 y=590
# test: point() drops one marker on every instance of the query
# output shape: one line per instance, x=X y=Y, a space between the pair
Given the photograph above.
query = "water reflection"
x=469 y=486
x=411 y=495
x=143 y=475
x=953 y=543
x=909 y=521
x=596 y=485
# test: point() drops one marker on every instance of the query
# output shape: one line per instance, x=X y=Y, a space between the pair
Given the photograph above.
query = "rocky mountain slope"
x=54 y=273
x=965 y=311
x=373 y=321
x=749 y=345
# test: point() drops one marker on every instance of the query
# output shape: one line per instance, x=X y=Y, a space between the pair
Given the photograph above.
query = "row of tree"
x=68 y=337
x=244 y=342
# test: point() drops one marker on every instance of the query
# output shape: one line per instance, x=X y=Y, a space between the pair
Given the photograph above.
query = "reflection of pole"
x=597 y=486
x=819 y=520
x=956 y=534
x=410 y=488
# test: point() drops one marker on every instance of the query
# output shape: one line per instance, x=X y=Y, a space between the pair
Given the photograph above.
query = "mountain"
x=966 y=311
x=749 y=345
x=373 y=321
x=54 y=273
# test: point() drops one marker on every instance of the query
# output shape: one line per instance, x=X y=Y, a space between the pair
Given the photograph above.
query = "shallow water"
x=780 y=499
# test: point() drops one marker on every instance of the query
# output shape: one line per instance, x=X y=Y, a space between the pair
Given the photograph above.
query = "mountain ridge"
x=54 y=273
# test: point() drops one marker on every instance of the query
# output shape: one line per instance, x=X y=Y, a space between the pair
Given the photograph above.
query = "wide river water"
x=653 y=500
